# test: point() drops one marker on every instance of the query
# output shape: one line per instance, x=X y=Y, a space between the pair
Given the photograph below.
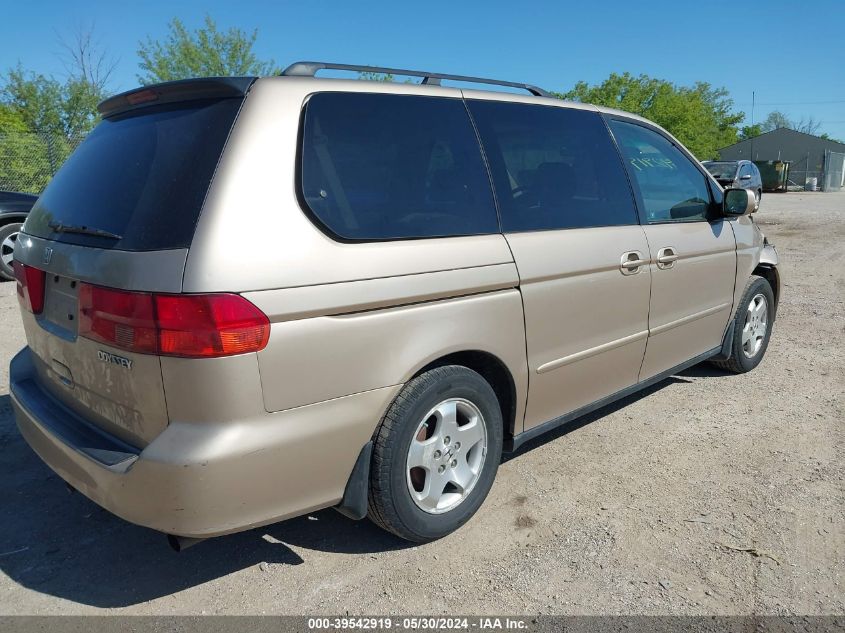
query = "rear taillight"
x=209 y=325
x=193 y=326
x=30 y=287
x=119 y=318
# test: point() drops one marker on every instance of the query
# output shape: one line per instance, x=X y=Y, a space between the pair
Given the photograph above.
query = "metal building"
x=810 y=157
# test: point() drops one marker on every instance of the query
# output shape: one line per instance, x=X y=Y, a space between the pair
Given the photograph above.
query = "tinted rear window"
x=553 y=168
x=142 y=175
x=722 y=171
x=377 y=167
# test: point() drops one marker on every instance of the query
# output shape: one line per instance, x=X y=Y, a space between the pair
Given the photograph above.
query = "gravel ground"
x=707 y=494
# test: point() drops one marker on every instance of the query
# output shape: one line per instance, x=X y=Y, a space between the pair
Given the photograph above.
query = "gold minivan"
x=247 y=299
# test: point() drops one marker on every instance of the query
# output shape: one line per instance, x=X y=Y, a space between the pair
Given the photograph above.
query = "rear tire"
x=435 y=454
x=752 y=327
x=8 y=238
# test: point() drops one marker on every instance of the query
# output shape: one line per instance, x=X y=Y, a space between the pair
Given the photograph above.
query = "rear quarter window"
x=383 y=167
x=142 y=175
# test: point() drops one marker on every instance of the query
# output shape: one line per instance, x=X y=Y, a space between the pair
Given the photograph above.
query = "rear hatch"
x=112 y=229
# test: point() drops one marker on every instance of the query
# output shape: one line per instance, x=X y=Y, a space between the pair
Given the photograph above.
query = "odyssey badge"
x=108 y=357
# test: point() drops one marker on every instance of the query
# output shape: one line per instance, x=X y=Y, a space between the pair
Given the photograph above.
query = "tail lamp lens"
x=119 y=318
x=209 y=325
x=192 y=326
x=30 y=284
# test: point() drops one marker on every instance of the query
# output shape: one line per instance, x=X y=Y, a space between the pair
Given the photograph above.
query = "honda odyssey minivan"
x=246 y=299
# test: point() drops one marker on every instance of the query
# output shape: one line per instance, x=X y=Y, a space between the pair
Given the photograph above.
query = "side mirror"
x=738 y=202
x=745 y=177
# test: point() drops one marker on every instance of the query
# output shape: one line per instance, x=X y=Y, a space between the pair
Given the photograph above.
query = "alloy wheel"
x=446 y=455
x=7 y=249
x=756 y=325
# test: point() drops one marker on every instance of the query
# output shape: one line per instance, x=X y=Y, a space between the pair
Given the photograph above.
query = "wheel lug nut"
x=441 y=469
x=437 y=454
x=454 y=463
x=457 y=445
x=446 y=440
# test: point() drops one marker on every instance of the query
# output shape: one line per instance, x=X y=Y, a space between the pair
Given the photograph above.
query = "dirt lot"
x=707 y=494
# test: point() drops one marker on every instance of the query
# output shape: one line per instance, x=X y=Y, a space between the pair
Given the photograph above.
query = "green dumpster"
x=774 y=174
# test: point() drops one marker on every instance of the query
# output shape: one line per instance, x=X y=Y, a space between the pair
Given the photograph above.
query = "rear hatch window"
x=722 y=171
x=139 y=179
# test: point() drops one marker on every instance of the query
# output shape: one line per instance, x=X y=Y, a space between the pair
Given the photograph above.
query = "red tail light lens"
x=209 y=325
x=30 y=282
x=192 y=326
x=119 y=318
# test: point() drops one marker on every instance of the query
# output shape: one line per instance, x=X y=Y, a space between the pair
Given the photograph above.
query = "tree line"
x=54 y=112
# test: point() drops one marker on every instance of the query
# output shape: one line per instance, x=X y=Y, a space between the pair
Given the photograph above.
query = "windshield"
x=139 y=179
x=722 y=171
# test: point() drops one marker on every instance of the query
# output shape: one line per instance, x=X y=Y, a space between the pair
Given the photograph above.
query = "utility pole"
x=753 y=100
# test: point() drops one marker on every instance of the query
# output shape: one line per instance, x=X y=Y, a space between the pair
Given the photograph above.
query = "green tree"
x=750 y=131
x=24 y=164
x=41 y=122
x=205 y=52
x=828 y=137
x=700 y=116
x=36 y=99
x=49 y=106
x=11 y=121
x=376 y=77
x=43 y=118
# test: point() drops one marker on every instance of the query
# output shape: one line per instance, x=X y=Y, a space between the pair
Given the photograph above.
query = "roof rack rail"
x=309 y=69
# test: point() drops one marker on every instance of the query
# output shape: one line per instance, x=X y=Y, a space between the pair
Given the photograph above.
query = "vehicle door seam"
x=486 y=161
x=592 y=351
x=688 y=319
x=648 y=312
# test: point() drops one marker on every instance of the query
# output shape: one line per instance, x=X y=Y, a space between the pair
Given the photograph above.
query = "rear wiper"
x=58 y=227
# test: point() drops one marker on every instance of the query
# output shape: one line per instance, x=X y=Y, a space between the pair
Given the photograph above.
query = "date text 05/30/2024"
x=481 y=623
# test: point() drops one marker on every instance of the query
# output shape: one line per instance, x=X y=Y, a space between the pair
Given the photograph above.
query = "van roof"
x=218 y=87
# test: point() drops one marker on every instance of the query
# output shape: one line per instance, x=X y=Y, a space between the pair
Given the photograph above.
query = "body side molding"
x=513 y=444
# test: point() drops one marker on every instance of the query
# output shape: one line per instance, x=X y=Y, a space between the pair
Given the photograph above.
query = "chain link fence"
x=28 y=160
x=826 y=174
x=803 y=172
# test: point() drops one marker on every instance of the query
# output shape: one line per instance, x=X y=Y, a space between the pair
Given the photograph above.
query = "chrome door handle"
x=666 y=258
x=631 y=262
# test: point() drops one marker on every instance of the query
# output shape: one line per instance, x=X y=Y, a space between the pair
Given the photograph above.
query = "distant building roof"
x=836 y=145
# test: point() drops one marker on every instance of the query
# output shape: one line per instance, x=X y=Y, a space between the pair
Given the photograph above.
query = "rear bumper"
x=203 y=479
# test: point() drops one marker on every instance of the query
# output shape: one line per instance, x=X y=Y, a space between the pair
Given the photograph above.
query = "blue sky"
x=793 y=57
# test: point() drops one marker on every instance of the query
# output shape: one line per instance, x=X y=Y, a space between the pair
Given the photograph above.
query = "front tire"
x=752 y=327
x=8 y=238
x=435 y=454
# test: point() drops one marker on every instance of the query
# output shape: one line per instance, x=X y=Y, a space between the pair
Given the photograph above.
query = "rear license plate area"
x=61 y=305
